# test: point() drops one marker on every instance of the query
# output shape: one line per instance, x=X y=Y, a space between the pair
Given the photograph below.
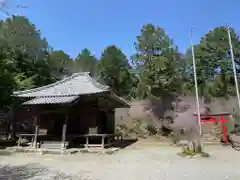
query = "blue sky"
x=72 y=25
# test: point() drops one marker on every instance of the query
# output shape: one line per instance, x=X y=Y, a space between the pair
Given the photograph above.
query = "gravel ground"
x=149 y=163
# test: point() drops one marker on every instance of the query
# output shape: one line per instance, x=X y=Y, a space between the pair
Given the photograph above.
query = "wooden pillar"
x=87 y=142
x=19 y=140
x=103 y=143
x=64 y=133
x=36 y=131
x=111 y=125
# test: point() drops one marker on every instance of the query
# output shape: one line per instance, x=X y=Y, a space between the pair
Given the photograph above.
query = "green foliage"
x=22 y=58
x=23 y=36
x=60 y=64
x=114 y=71
x=186 y=151
x=141 y=128
x=157 y=61
x=24 y=82
x=213 y=52
x=151 y=129
x=7 y=82
x=86 y=62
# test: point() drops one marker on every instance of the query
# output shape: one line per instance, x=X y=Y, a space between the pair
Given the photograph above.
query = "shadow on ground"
x=33 y=171
x=125 y=143
x=21 y=172
x=7 y=143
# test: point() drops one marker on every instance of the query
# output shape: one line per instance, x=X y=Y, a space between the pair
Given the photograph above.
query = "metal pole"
x=196 y=86
x=233 y=65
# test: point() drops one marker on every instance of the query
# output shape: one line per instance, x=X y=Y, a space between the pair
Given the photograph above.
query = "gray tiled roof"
x=67 y=90
x=75 y=85
x=50 y=100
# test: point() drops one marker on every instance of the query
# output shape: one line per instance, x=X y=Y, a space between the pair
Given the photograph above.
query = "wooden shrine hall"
x=71 y=112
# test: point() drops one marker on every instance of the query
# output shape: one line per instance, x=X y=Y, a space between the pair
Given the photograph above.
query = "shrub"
x=152 y=130
x=186 y=151
x=137 y=128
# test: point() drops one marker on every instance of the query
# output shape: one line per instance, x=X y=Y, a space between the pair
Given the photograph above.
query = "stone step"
x=53 y=144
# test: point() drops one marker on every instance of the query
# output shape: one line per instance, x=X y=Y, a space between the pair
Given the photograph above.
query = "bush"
x=137 y=128
x=186 y=151
x=151 y=129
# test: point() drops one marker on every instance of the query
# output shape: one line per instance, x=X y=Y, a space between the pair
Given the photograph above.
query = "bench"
x=109 y=137
x=41 y=132
x=24 y=135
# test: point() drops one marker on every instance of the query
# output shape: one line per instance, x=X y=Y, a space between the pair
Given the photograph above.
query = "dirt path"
x=128 y=164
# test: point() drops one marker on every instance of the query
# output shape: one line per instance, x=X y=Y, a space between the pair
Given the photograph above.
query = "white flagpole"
x=233 y=65
x=196 y=85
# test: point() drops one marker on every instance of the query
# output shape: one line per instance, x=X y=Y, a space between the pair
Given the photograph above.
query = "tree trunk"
x=197 y=145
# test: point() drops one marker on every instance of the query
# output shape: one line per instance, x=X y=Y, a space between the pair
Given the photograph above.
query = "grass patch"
x=187 y=152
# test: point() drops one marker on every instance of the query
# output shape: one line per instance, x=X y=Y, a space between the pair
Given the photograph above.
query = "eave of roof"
x=51 y=100
x=119 y=99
